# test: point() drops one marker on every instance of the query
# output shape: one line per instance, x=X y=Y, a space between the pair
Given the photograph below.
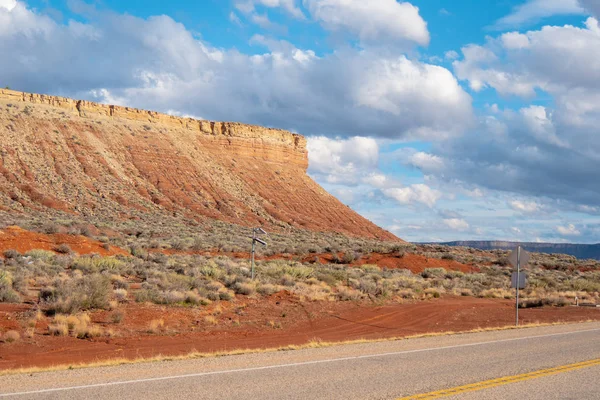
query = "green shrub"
x=97 y=264
x=433 y=273
x=71 y=296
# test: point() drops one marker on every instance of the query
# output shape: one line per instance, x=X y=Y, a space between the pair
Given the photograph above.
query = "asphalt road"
x=385 y=370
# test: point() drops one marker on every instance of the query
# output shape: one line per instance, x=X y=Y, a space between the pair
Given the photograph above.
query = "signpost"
x=256 y=231
x=518 y=258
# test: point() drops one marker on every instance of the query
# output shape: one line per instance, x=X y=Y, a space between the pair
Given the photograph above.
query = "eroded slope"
x=109 y=162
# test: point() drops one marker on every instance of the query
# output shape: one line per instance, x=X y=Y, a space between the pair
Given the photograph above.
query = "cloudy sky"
x=436 y=119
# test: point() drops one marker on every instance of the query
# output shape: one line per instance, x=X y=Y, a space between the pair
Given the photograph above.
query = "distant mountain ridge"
x=582 y=251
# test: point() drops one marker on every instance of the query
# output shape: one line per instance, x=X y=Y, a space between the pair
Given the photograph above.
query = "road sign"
x=521 y=278
x=518 y=259
x=513 y=258
x=256 y=231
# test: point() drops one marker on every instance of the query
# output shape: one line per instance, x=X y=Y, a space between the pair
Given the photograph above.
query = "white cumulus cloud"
x=535 y=10
x=371 y=21
x=457 y=224
x=569 y=230
x=524 y=206
x=417 y=193
x=343 y=160
x=8 y=4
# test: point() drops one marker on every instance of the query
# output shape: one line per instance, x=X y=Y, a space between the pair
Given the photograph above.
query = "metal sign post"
x=518 y=258
x=256 y=231
x=517 y=285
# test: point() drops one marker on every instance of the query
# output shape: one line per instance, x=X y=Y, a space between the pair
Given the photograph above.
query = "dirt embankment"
x=280 y=320
x=15 y=238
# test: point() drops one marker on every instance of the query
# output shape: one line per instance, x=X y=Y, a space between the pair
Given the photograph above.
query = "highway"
x=555 y=362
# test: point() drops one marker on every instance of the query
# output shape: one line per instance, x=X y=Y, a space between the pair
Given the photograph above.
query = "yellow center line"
x=502 y=381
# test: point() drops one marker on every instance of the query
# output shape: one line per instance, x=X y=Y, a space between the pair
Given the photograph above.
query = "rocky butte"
x=104 y=161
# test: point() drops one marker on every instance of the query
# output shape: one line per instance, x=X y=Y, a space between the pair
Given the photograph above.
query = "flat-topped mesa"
x=108 y=162
x=84 y=108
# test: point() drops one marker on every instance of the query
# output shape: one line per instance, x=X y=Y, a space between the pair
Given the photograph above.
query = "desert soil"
x=248 y=323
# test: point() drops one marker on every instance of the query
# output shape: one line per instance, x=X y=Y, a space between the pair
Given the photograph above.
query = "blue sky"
x=437 y=119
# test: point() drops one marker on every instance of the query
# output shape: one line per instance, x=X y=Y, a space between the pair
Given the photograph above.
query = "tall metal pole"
x=518 y=282
x=253 y=246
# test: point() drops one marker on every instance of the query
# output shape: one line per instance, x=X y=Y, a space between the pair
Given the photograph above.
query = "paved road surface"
x=385 y=370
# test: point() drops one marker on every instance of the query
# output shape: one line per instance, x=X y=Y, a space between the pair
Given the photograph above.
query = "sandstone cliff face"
x=107 y=161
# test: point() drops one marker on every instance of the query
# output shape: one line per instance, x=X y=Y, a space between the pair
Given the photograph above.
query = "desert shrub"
x=212 y=272
x=329 y=278
x=226 y=295
x=193 y=298
x=43 y=255
x=7 y=293
x=88 y=292
x=97 y=264
x=151 y=295
x=530 y=303
x=348 y=257
x=287 y=280
x=58 y=329
x=138 y=252
x=244 y=288
x=120 y=295
x=406 y=294
x=173 y=297
x=454 y=274
x=63 y=249
x=119 y=282
x=298 y=272
x=11 y=254
x=344 y=293
x=367 y=286
x=116 y=317
x=496 y=293
x=432 y=292
x=433 y=273
x=267 y=289
x=318 y=292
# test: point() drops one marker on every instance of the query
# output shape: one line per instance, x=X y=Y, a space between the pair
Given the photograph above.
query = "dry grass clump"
x=344 y=293
x=497 y=293
x=117 y=317
x=156 y=325
x=7 y=292
x=267 y=289
x=79 y=326
x=245 y=289
x=120 y=295
x=11 y=336
x=211 y=320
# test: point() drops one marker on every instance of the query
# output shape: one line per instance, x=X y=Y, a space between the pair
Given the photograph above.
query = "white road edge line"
x=231 y=371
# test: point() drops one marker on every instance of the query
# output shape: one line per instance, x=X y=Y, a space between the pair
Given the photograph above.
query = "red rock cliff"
x=103 y=160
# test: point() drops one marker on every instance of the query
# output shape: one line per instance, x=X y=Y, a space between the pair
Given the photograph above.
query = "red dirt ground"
x=251 y=324
x=15 y=238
